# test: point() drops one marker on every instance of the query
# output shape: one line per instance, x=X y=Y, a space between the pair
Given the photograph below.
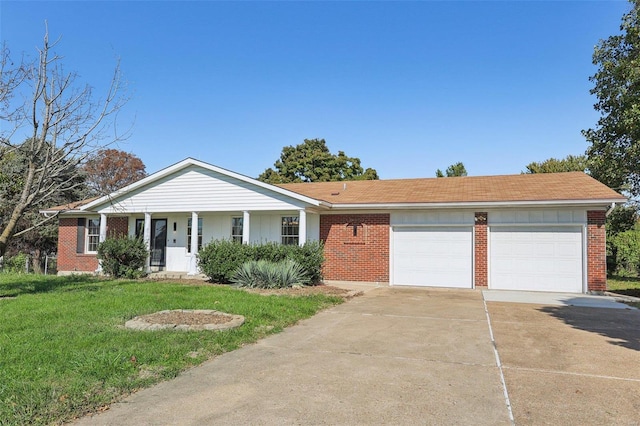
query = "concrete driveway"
x=414 y=356
x=569 y=365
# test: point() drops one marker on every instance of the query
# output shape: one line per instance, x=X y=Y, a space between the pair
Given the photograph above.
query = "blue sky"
x=408 y=87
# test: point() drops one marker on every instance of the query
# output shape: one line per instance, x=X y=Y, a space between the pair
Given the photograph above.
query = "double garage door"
x=538 y=258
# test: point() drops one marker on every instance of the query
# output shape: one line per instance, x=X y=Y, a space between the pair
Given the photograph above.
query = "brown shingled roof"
x=71 y=206
x=572 y=186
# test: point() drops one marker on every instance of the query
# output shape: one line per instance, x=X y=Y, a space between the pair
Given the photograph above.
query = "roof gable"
x=195 y=185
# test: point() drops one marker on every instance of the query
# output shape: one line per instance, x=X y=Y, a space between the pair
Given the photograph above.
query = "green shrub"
x=311 y=257
x=265 y=274
x=220 y=259
x=625 y=247
x=123 y=257
x=16 y=264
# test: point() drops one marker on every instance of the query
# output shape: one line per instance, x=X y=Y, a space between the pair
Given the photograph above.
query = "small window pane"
x=236 y=229
x=93 y=235
x=290 y=230
x=139 y=228
x=189 y=235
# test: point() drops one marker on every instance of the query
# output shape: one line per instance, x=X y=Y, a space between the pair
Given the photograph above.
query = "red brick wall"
x=117 y=226
x=360 y=257
x=480 y=250
x=68 y=259
x=596 y=251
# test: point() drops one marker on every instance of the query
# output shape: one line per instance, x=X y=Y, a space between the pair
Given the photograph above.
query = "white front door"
x=433 y=256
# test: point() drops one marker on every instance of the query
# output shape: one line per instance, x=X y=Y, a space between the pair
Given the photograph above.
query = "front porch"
x=173 y=251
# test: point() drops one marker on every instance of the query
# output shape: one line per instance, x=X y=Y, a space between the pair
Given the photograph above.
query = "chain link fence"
x=22 y=263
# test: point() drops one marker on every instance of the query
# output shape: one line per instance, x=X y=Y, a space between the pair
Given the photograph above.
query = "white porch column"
x=147 y=239
x=103 y=227
x=193 y=261
x=102 y=235
x=246 y=227
x=302 y=227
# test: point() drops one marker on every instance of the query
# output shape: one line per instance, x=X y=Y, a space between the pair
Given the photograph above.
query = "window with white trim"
x=236 y=229
x=290 y=230
x=189 y=235
x=139 y=228
x=93 y=235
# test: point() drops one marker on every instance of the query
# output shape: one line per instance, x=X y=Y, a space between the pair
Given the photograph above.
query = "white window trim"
x=200 y=231
x=87 y=236
x=234 y=236
x=283 y=236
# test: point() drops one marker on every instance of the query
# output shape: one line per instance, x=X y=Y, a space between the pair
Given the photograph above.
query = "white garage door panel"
x=437 y=257
x=536 y=258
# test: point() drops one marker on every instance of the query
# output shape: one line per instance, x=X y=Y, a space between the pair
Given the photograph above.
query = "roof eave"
x=478 y=204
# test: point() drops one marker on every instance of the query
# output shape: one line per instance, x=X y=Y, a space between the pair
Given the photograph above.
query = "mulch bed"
x=293 y=291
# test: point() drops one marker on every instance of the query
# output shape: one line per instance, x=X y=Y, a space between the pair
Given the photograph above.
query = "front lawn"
x=629 y=286
x=64 y=351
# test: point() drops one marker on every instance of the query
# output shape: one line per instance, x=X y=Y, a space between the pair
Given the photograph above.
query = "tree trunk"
x=10 y=228
x=36 y=261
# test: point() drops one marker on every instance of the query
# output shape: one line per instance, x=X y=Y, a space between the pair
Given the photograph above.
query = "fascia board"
x=496 y=204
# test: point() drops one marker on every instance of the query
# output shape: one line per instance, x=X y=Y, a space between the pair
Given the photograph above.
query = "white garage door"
x=435 y=257
x=536 y=258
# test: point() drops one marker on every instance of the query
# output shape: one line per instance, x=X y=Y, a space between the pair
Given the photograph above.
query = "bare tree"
x=63 y=123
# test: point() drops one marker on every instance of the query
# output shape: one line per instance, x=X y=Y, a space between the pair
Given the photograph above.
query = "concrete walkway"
x=555 y=299
x=391 y=356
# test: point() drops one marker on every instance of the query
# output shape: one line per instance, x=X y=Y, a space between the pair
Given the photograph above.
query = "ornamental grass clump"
x=266 y=274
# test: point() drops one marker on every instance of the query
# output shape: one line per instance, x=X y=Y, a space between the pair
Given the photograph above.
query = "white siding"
x=313 y=227
x=537 y=216
x=265 y=228
x=433 y=217
x=201 y=190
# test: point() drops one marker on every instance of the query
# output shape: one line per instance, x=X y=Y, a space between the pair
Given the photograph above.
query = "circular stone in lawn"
x=186 y=320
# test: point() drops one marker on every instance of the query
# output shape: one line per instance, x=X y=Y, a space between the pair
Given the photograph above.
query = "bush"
x=220 y=259
x=626 y=251
x=311 y=257
x=16 y=264
x=123 y=257
x=265 y=274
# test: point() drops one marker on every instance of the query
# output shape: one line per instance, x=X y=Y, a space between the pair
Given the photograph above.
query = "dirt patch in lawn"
x=186 y=320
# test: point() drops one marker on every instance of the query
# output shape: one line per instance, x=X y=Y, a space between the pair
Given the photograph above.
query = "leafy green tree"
x=453 y=170
x=571 y=163
x=614 y=151
x=311 y=161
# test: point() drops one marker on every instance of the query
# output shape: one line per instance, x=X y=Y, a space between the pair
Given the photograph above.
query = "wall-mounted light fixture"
x=175 y=226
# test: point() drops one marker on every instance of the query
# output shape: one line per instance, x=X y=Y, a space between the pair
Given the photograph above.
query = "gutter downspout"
x=610 y=209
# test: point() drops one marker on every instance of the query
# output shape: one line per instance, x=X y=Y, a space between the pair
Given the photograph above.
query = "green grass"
x=64 y=351
x=629 y=286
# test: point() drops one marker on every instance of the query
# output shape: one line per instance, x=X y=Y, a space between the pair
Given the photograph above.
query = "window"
x=189 y=235
x=139 y=228
x=290 y=230
x=93 y=235
x=236 y=229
